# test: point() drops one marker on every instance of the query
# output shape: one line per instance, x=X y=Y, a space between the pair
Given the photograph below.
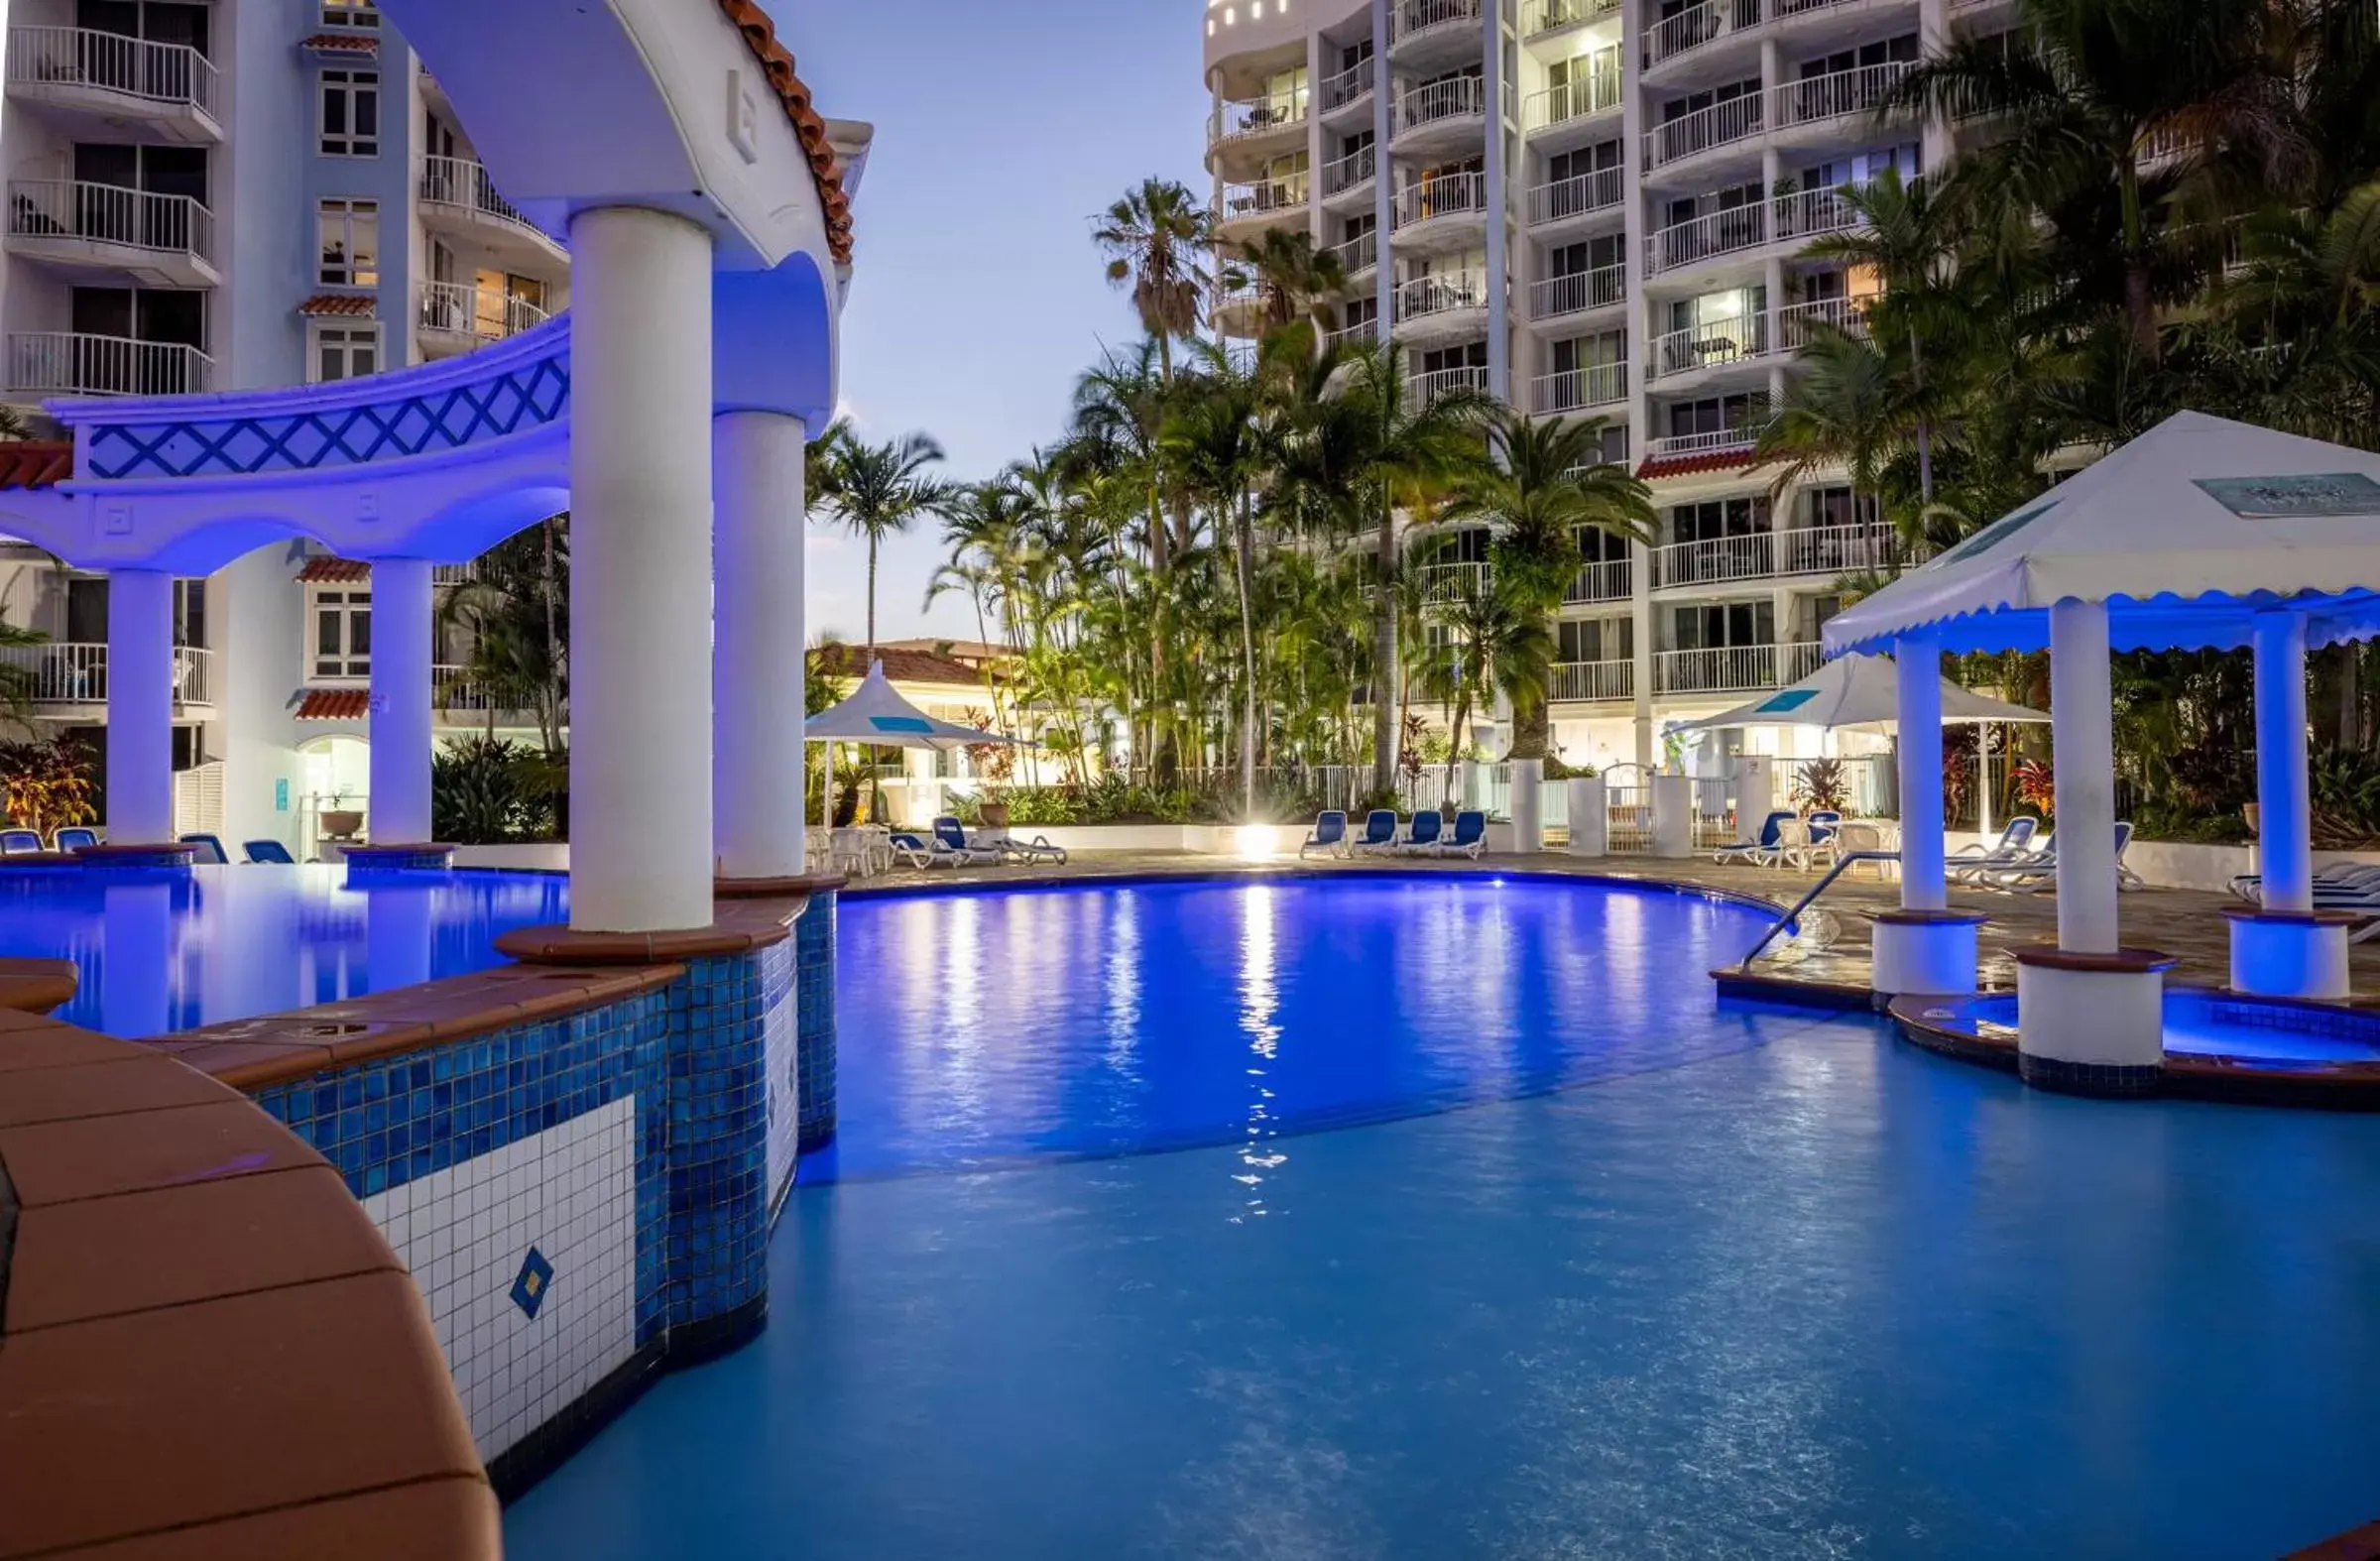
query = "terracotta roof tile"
x=34 y=463
x=1739 y=459
x=324 y=570
x=827 y=168
x=343 y=43
x=339 y=303
x=335 y=704
x=902 y=667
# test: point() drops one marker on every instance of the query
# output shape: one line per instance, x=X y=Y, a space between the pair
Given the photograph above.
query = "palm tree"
x=1499 y=641
x=880 y=491
x=1295 y=280
x=1156 y=236
x=1543 y=483
x=1215 y=443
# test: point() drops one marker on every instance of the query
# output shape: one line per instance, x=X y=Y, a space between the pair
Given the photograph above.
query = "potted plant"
x=340 y=822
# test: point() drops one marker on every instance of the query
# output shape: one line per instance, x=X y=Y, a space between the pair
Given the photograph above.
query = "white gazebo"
x=876 y=715
x=2200 y=533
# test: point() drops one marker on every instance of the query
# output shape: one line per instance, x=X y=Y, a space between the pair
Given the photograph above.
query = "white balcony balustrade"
x=1712 y=344
x=1420 y=297
x=1794 y=320
x=1595 y=93
x=1610 y=580
x=1446 y=582
x=1720 y=124
x=458 y=309
x=1769 y=555
x=462 y=183
x=1424 y=388
x=1239 y=118
x=1348 y=171
x=1551 y=297
x=83 y=67
x=71 y=363
x=1585 y=682
x=1356 y=255
x=1546 y=15
x=1360 y=330
x=1839 y=94
x=1697 y=239
x=165 y=240
x=1725 y=669
x=1842 y=549
x=1708 y=442
x=1578 y=389
x=1558 y=200
x=1811 y=213
x=1347 y=87
x=72 y=672
x=1697 y=27
x=1413 y=17
x=1445 y=195
x=1437 y=102
x=1265 y=199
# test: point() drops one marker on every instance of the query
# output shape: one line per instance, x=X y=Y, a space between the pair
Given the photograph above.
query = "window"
x=351 y=113
x=350 y=13
x=344 y=351
x=348 y=238
x=189 y=613
x=342 y=633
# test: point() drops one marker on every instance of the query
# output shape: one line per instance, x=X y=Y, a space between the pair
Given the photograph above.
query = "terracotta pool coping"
x=206 y=1348
x=738 y=927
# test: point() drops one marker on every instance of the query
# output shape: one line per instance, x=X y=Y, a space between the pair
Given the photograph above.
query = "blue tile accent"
x=536 y=1278
x=814 y=996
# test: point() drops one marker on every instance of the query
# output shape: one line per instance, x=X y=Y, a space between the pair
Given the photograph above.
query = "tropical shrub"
x=2036 y=786
x=1823 y=786
x=491 y=791
x=48 y=782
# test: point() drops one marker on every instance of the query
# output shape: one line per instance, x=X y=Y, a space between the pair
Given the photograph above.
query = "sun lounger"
x=1469 y=837
x=1422 y=836
x=2041 y=871
x=19 y=842
x=1760 y=850
x=1379 y=833
x=75 y=837
x=1330 y=833
x=269 y=850
x=211 y=849
x=950 y=839
x=2031 y=847
x=2350 y=879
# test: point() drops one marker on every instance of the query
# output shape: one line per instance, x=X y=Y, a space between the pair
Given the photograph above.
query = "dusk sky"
x=1001 y=131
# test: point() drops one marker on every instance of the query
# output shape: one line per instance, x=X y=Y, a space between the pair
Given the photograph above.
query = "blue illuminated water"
x=1745 y=1283
x=164 y=950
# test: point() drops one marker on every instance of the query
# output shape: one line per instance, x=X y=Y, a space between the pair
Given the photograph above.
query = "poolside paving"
x=2184 y=923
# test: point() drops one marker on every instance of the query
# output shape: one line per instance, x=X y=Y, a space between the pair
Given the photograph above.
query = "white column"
x=1984 y=778
x=1917 y=662
x=401 y=702
x=2081 y=723
x=757 y=461
x=640 y=571
x=2284 y=824
x=1500 y=260
x=1528 y=805
x=1383 y=189
x=140 y=708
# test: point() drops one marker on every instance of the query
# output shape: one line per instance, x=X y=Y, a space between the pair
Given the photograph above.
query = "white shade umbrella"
x=878 y=715
x=1856 y=691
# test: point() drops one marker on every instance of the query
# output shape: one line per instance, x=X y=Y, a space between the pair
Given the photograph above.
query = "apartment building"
x=1598 y=209
x=232 y=195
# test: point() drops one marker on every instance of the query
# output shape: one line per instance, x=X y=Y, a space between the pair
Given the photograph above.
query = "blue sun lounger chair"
x=1379 y=833
x=271 y=850
x=211 y=849
x=19 y=842
x=2019 y=844
x=75 y=837
x=1469 y=837
x=1421 y=835
x=1330 y=833
x=1760 y=850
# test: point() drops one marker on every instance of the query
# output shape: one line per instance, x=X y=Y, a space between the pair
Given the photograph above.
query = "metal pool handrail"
x=1803 y=903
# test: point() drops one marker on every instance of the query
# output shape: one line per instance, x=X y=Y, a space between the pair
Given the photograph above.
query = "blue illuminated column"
x=1923 y=947
x=2083 y=726
x=2283 y=830
x=140 y=708
x=401 y=702
x=758 y=649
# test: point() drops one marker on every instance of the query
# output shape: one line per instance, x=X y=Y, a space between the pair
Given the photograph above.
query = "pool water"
x=167 y=950
x=1495 y=1236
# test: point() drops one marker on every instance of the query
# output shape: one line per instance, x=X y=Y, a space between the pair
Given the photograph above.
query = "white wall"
x=257 y=640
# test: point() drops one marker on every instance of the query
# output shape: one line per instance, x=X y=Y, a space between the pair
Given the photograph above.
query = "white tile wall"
x=779 y=1042
x=570 y=1191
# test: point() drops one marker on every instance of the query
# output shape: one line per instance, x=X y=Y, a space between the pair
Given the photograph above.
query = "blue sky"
x=1001 y=130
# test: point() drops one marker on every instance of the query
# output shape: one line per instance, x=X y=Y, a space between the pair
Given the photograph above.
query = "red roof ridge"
x=827 y=168
x=900 y=667
x=334 y=704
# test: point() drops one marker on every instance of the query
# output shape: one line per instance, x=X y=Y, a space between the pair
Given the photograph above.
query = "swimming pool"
x=1489 y=1232
x=167 y=949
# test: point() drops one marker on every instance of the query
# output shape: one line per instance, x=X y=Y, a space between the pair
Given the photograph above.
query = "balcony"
x=1849 y=316
x=1435 y=27
x=105 y=86
x=68 y=363
x=1358 y=255
x=1540 y=17
x=1713 y=344
x=1427 y=388
x=455 y=317
x=1712 y=442
x=1447 y=582
x=154 y=239
x=1733 y=669
x=1612 y=580
x=1582 y=683
x=1738 y=229
x=1840 y=94
x=72 y=673
x=1578 y=390
x=1422 y=298
x=1576 y=293
x=1698 y=26
x=1771 y=555
x=1580 y=195
x=1263 y=203
x=1450 y=107
x=1348 y=88
x=1706 y=129
x=1350 y=174
x=1572 y=103
x=1451 y=205
x=459 y=199
x=1265 y=116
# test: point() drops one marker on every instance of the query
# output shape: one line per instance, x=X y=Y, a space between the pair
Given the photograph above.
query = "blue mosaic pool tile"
x=814 y=1017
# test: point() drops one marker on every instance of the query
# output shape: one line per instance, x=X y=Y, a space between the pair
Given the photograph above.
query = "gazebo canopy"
x=2185 y=532
x=1855 y=691
x=875 y=713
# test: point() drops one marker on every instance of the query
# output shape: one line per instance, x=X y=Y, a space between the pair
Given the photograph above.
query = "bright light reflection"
x=1259 y=1010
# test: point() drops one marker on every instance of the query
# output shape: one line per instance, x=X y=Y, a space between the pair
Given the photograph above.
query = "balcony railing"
x=1358 y=330
x=1610 y=580
x=1710 y=344
x=459 y=181
x=63 y=208
x=1456 y=97
x=1256 y=116
x=1576 y=390
x=1697 y=26
x=1700 y=238
x=1812 y=213
x=1348 y=86
x=1767 y=555
x=1576 y=195
x=1736 y=119
x=1421 y=297
x=75 y=673
x=1544 y=16
x=70 y=363
x=1264 y=198
x=1844 y=315
x=1595 y=93
x=1842 y=549
x=1732 y=669
x=168 y=75
x=1586 y=680
x=1713 y=561
x=1445 y=195
x=1835 y=95
x=1445 y=582
x=1423 y=389
x=452 y=688
x=1355 y=168
x=1741 y=438
x=1358 y=254
x=459 y=309
x=1551 y=297
x=1415 y=17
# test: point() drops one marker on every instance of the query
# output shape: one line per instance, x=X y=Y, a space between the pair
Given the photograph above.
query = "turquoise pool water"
x=1488 y=1232
x=167 y=950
